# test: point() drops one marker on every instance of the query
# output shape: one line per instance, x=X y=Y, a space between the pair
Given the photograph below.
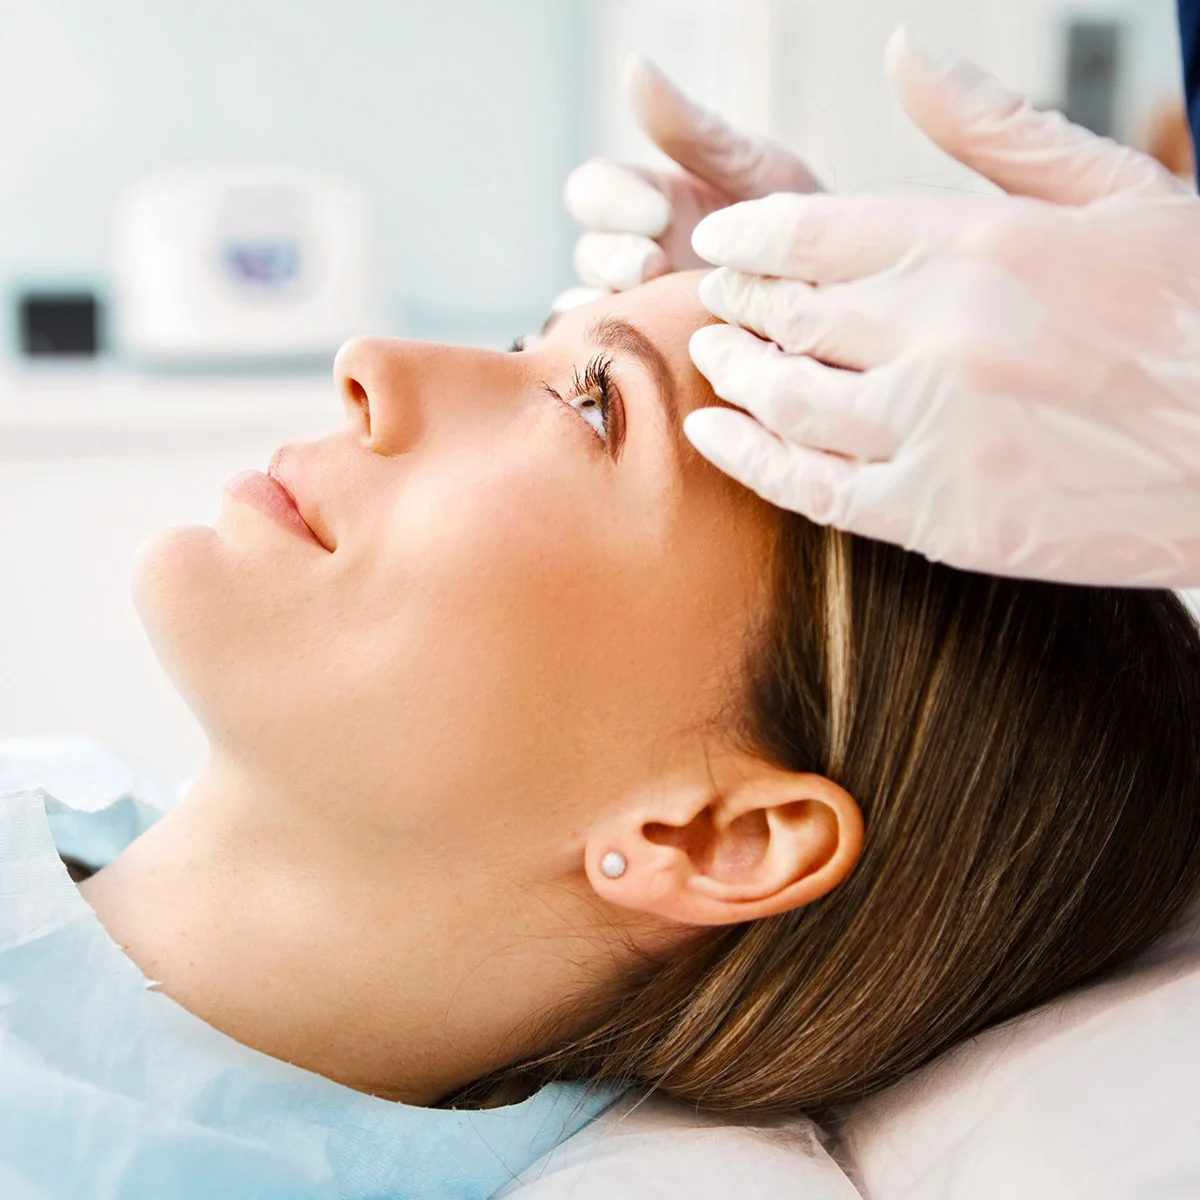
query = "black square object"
x=54 y=324
x=1093 y=74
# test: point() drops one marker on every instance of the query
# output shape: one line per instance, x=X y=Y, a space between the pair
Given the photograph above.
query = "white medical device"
x=237 y=264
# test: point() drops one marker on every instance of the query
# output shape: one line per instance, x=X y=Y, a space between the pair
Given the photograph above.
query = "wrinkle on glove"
x=112 y=1091
x=1007 y=384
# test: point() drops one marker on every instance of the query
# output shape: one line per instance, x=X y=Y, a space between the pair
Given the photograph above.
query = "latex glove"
x=1023 y=395
x=639 y=221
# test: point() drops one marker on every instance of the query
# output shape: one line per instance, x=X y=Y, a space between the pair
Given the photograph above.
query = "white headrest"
x=1095 y=1095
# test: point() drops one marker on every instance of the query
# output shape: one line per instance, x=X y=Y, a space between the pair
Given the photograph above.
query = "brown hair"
x=1025 y=756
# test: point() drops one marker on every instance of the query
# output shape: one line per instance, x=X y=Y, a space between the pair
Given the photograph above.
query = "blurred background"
x=198 y=202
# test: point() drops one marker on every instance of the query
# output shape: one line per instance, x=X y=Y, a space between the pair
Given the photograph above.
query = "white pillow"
x=1095 y=1095
x=659 y=1149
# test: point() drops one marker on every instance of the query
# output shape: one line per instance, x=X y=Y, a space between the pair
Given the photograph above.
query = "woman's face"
x=527 y=596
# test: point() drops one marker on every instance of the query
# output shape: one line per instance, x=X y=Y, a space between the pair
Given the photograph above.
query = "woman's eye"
x=594 y=397
x=590 y=407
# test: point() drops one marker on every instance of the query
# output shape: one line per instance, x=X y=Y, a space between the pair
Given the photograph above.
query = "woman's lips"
x=267 y=494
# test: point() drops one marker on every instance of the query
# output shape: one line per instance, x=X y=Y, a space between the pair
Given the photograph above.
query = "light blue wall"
x=460 y=117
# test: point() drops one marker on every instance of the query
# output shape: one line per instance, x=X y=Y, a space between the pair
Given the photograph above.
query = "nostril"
x=356 y=392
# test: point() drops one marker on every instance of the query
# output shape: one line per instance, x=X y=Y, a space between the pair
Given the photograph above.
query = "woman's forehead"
x=666 y=310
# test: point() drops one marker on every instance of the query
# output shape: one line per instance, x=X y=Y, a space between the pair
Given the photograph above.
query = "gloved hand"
x=1009 y=384
x=640 y=221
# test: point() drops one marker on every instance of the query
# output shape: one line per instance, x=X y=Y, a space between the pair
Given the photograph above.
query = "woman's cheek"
x=500 y=519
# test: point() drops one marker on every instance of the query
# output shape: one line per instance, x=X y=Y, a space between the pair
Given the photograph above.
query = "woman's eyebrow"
x=612 y=333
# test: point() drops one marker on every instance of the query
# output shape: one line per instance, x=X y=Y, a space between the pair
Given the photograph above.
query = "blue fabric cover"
x=109 y=1090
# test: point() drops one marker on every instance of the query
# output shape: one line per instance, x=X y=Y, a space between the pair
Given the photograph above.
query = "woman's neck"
x=403 y=977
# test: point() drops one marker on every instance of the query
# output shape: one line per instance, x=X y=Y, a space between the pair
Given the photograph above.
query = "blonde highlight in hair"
x=1025 y=758
x=837 y=647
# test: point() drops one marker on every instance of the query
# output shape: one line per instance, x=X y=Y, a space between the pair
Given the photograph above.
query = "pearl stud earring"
x=613 y=864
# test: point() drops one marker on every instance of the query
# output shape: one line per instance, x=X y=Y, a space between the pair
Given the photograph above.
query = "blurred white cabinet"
x=455 y=118
x=90 y=467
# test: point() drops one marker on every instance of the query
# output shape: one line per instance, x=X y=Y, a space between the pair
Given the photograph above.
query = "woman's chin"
x=175 y=586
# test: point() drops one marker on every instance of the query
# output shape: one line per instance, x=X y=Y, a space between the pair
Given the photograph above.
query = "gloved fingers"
x=609 y=198
x=618 y=261
x=815 y=485
x=703 y=143
x=691 y=200
x=823 y=239
x=720 y=165
x=573 y=297
x=824 y=322
x=973 y=117
x=794 y=396
x=661 y=205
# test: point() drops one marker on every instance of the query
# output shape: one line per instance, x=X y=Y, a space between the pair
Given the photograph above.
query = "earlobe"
x=751 y=841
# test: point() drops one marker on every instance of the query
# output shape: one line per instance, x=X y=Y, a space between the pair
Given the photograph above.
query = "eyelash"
x=595 y=381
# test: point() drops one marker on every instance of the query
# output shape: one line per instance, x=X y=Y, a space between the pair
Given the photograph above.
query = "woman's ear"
x=751 y=842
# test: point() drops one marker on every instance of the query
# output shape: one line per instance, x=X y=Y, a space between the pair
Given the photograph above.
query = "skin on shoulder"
x=510 y=644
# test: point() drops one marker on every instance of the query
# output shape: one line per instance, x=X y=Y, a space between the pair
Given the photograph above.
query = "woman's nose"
x=395 y=391
x=369 y=373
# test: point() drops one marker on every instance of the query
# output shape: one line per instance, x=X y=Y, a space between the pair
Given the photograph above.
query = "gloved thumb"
x=973 y=117
x=700 y=141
